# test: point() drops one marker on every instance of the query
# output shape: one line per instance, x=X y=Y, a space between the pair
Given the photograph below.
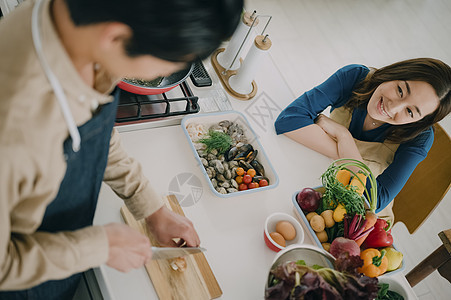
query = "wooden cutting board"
x=196 y=282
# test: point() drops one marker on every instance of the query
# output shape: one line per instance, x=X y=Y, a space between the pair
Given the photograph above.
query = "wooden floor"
x=313 y=38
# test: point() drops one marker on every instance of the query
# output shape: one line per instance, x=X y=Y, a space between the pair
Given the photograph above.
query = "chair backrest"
x=427 y=185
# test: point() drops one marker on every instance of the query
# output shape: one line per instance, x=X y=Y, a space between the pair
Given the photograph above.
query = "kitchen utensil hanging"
x=237 y=76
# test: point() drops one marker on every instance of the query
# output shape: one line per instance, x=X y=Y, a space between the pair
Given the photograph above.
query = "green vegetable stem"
x=335 y=190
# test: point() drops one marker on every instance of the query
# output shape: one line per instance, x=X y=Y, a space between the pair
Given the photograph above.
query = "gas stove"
x=156 y=110
x=136 y=112
x=150 y=111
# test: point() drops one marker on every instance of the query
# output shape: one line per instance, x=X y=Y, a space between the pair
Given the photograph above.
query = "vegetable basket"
x=357 y=204
x=301 y=217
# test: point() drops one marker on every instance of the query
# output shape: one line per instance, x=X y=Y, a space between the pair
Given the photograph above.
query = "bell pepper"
x=380 y=236
x=375 y=263
x=394 y=258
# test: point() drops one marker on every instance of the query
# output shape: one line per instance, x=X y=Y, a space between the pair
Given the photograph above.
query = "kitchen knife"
x=171 y=252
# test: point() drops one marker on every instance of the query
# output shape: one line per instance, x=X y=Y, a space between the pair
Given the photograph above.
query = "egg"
x=278 y=238
x=286 y=229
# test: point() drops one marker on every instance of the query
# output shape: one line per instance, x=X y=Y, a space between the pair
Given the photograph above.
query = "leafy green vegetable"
x=335 y=191
x=303 y=282
x=385 y=294
x=217 y=140
x=301 y=262
x=317 y=267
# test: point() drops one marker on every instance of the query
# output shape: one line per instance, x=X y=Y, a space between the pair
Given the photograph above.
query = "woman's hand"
x=128 y=248
x=332 y=128
x=167 y=225
x=346 y=146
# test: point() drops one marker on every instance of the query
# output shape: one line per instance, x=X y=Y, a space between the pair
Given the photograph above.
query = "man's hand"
x=128 y=248
x=167 y=225
x=332 y=128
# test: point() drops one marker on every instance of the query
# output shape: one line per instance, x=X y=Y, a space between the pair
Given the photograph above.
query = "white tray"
x=237 y=117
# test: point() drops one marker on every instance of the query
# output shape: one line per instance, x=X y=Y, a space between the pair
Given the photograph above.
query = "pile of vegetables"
x=296 y=280
x=342 y=221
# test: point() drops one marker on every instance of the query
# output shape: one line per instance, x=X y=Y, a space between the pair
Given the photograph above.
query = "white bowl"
x=270 y=226
x=394 y=286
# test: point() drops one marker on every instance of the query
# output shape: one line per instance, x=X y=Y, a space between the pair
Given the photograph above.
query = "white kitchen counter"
x=230 y=228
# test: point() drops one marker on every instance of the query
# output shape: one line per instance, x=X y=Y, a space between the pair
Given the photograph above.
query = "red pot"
x=167 y=84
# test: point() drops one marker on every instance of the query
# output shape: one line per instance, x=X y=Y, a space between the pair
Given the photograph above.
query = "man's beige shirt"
x=32 y=166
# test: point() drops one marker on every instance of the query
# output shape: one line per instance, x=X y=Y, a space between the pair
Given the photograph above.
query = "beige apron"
x=377 y=156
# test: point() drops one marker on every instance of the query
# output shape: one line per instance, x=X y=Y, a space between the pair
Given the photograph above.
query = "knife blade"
x=171 y=252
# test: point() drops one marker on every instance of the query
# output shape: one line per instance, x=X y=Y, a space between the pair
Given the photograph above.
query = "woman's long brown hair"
x=432 y=71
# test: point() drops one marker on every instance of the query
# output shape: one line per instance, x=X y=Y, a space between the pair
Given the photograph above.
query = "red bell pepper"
x=380 y=236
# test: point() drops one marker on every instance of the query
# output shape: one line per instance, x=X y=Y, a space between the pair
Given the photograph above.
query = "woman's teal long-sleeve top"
x=335 y=92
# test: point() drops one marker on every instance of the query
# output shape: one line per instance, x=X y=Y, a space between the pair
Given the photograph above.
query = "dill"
x=217 y=140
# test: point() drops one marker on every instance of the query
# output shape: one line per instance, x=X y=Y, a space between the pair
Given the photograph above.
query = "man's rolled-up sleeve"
x=124 y=175
x=29 y=257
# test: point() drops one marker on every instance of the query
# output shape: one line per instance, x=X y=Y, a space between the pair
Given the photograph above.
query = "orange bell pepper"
x=355 y=182
x=375 y=263
x=343 y=176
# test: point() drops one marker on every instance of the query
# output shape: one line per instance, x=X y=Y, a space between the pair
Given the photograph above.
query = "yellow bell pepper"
x=394 y=258
x=339 y=213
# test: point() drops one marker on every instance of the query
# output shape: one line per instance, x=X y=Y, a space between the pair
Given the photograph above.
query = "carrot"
x=371 y=219
x=360 y=188
x=343 y=176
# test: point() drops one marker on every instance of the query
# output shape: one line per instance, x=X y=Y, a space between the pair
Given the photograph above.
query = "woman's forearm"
x=347 y=147
x=315 y=138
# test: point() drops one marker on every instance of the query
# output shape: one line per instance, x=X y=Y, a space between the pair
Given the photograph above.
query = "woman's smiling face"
x=401 y=102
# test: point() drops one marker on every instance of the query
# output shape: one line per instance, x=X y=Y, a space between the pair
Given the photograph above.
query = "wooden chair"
x=439 y=260
x=427 y=185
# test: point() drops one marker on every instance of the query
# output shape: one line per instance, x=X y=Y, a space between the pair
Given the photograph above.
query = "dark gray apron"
x=76 y=201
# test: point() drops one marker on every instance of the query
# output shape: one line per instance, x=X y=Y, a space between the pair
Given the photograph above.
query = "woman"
x=383 y=117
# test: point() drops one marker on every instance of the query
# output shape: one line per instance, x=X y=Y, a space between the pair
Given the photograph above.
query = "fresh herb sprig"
x=217 y=140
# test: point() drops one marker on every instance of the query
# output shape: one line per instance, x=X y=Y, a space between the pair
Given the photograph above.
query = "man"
x=60 y=60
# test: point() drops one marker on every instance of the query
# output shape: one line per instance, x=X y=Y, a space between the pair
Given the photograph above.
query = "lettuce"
x=293 y=281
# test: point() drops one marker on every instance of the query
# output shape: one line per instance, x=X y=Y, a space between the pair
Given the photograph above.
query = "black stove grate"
x=134 y=107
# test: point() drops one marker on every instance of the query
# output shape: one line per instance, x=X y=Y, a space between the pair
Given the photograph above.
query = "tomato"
x=239 y=179
x=242 y=187
x=263 y=182
x=240 y=171
x=252 y=185
x=247 y=179
x=251 y=172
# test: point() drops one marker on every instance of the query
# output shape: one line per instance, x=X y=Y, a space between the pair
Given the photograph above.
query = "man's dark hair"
x=173 y=30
